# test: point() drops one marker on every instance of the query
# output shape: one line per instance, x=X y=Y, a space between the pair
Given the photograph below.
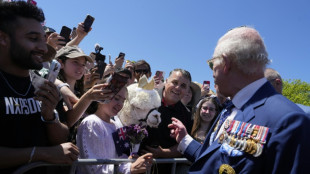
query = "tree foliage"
x=297 y=91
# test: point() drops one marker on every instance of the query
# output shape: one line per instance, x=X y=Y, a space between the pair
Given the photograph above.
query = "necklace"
x=7 y=82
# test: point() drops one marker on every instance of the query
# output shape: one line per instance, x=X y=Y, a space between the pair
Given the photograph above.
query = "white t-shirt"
x=95 y=141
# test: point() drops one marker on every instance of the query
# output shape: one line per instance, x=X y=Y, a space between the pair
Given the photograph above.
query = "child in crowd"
x=207 y=110
x=95 y=141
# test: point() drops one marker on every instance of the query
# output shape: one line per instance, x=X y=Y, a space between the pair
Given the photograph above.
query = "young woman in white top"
x=94 y=139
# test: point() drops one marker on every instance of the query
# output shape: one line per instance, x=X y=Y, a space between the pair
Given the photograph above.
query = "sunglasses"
x=144 y=71
x=211 y=61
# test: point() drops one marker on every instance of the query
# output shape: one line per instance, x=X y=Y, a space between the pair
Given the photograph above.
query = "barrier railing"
x=172 y=161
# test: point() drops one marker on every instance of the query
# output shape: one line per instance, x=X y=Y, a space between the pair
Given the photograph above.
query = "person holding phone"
x=205 y=89
x=119 y=61
x=53 y=38
x=159 y=79
x=80 y=35
x=29 y=126
x=72 y=60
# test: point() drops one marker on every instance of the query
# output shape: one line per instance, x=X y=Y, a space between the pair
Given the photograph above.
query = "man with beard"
x=159 y=141
x=260 y=131
x=29 y=126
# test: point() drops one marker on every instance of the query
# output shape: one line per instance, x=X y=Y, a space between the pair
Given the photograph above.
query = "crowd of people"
x=246 y=126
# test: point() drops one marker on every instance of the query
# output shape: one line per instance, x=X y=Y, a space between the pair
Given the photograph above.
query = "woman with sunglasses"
x=142 y=68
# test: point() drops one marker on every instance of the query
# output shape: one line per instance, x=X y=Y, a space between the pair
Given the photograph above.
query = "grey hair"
x=185 y=73
x=271 y=74
x=245 y=47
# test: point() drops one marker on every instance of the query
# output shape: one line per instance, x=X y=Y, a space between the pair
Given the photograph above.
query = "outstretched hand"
x=177 y=129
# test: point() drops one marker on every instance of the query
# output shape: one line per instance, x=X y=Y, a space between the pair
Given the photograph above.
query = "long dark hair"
x=197 y=118
x=79 y=85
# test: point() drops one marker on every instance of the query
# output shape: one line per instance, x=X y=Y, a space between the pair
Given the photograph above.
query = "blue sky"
x=183 y=33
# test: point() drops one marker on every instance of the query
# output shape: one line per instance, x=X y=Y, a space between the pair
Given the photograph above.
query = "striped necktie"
x=223 y=116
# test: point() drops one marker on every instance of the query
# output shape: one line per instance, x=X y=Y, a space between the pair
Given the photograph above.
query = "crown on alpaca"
x=144 y=84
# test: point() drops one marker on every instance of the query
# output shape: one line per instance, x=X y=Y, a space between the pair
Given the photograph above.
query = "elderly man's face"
x=219 y=77
x=175 y=88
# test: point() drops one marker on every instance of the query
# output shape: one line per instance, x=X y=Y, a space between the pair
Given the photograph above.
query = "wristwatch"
x=56 y=119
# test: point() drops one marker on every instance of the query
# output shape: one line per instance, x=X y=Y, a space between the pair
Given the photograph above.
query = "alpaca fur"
x=138 y=104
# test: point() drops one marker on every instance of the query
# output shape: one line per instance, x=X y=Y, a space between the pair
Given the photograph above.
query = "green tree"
x=297 y=91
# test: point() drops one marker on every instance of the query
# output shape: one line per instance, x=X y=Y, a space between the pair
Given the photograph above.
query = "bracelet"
x=62 y=85
x=56 y=120
x=32 y=154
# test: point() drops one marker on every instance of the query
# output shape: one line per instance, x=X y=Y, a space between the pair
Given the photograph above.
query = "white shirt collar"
x=247 y=92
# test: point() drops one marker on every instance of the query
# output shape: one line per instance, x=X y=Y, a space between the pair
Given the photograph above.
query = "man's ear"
x=4 y=39
x=226 y=63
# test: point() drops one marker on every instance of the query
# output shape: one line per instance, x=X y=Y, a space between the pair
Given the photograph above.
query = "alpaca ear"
x=144 y=84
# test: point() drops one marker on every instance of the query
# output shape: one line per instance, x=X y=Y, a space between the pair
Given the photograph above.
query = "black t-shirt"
x=161 y=135
x=20 y=114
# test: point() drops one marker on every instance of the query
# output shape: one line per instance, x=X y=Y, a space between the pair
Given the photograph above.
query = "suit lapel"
x=257 y=100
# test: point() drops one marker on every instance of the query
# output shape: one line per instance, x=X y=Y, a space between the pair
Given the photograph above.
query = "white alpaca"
x=141 y=105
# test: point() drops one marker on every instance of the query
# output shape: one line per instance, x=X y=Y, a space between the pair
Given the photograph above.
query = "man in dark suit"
x=264 y=132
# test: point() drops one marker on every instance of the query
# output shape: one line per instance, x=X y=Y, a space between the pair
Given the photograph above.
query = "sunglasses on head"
x=144 y=71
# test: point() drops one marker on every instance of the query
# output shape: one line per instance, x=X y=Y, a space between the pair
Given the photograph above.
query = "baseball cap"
x=72 y=52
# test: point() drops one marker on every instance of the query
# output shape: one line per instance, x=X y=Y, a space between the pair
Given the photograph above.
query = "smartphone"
x=160 y=75
x=53 y=71
x=101 y=67
x=88 y=22
x=115 y=83
x=65 y=32
x=121 y=55
x=206 y=83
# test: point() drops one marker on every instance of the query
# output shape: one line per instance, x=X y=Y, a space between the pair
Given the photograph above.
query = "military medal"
x=259 y=150
x=254 y=147
x=226 y=169
x=242 y=136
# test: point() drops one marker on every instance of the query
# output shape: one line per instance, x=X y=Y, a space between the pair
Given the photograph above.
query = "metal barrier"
x=27 y=167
